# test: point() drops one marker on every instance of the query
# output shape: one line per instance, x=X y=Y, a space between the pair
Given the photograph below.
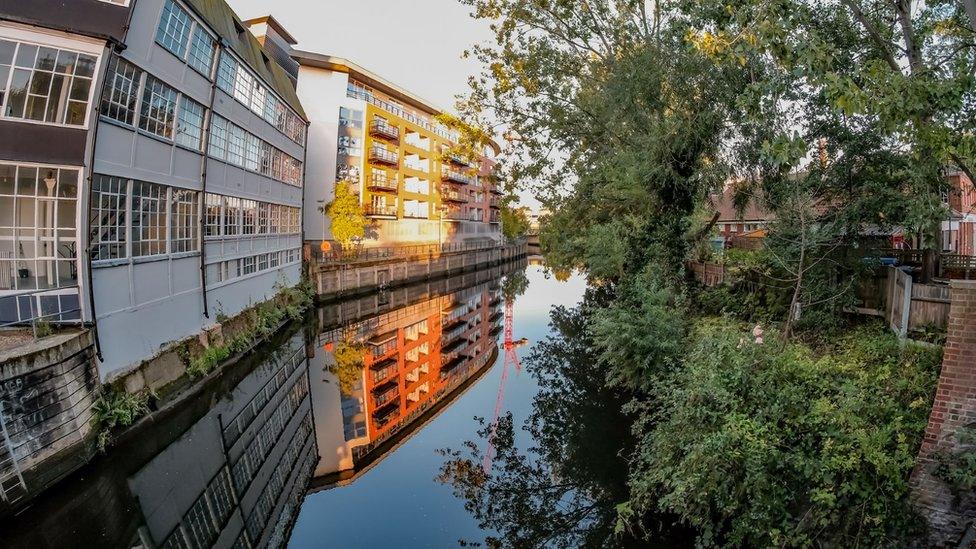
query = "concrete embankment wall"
x=350 y=278
x=46 y=394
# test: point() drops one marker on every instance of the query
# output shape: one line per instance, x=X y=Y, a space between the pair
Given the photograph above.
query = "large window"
x=38 y=227
x=108 y=217
x=158 y=108
x=232 y=216
x=213 y=222
x=184 y=224
x=45 y=84
x=189 y=127
x=157 y=220
x=121 y=93
x=239 y=83
x=231 y=143
x=185 y=38
x=148 y=215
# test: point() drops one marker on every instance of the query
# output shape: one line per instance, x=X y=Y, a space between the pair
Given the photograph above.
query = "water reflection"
x=316 y=409
x=393 y=362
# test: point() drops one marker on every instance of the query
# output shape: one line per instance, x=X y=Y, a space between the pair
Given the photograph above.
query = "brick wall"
x=949 y=515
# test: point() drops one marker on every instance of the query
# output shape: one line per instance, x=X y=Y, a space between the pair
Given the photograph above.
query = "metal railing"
x=379 y=154
x=451 y=194
x=456 y=176
x=383 y=182
x=379 y=211
x=357 y=255
x=31 y=306
x=384 y=129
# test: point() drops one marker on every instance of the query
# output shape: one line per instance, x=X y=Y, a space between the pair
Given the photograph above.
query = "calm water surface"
x=327 y=437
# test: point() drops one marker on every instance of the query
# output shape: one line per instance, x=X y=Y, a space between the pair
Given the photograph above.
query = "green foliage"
x=43 y=328
x=958 y=468
x=515 y=221
x=640 y=335
x=115 y=408
x=785 y=445
x=262 y=320
x=348 y=221
x=348 y=366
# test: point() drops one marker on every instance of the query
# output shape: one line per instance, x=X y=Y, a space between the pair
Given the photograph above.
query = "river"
x=333 y=434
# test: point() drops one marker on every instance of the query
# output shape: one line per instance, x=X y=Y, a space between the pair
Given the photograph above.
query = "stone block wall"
x=949 y=512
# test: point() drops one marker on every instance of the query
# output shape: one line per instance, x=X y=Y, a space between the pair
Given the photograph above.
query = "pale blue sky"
x=414 y=43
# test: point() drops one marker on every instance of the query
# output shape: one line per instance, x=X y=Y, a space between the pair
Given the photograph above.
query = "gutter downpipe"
x=202 y=221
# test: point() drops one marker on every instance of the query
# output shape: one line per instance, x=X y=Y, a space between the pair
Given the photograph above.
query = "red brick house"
x=959 y=231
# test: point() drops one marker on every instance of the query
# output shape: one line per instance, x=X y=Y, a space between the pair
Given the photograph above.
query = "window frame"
x=195 y=26
x=51 y=39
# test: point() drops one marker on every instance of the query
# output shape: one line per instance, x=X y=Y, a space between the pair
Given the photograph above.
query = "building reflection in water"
x=231 y=466
x=238 y=475
x=393 y=362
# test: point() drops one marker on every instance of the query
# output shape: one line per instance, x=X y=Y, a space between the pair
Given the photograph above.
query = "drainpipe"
x=202 y=217
x=115 y=48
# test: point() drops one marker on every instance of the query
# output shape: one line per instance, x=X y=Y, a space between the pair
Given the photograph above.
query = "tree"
x=613 y=118
x=515 y=221
x=564 y=490
x=765 y=445
x=348 y=221
x=348 y=366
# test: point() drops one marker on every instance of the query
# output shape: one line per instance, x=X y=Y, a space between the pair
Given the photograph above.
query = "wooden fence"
x=891 y=294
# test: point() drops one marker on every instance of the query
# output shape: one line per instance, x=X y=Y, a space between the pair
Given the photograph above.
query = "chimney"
x=277 y=43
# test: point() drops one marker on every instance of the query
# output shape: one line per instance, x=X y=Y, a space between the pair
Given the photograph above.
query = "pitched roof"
x=725 y=205
x=236 y=36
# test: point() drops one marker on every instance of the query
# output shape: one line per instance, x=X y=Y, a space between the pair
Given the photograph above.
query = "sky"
x=414 y=43
x=417 y=44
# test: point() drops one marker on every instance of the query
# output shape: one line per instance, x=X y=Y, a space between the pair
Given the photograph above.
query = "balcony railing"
x=495 y=202
x=462 y=216
x=382 y=182
x=383 y=156
x=374 y=210
x=382 y=128
x=459 y=160
x=450 y=194
x=448 y=174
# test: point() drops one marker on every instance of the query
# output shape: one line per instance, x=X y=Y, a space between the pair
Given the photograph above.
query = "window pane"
x=86 y=66
x=46 y=58
x=158 y=108
x=121 y=89
x=108 y=217
x=148 y=219
x=18 y=93
x=26 y=54
x=7 y=49
x=213 y=220
x=173 y=32
x=66 y=62
x=189 y=130
x=201 y=51
x=183 y=212
x=232 y=215
x=218 y=138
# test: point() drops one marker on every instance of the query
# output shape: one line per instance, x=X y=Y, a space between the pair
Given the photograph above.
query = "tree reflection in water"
x=565 y=489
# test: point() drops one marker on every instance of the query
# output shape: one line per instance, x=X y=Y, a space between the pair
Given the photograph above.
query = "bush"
x=116 y=408
x=788 y=445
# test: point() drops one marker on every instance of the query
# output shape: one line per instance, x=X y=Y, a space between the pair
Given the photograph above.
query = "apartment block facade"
x=387 y=145
x=415 y=355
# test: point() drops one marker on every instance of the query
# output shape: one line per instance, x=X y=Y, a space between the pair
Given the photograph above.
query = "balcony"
x=380 y=155
x=383 y=370
x=385 y=394
x=495 y=218
x=495 y=203
x=457 y=215
x=384 y=416
x=451 y=194
x=496 y=190
x=382 y=182
x=380 y=211
x=382 y=128
x=456 y=176
x=459 y=160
